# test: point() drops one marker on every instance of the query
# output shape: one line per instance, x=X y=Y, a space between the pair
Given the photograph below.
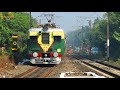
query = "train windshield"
x=45 y=38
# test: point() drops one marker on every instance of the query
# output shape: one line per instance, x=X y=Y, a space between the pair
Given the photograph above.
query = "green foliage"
x=18 y=25
x=97 y=37
x=116 y=36
x=100 y=32
x=118 y=61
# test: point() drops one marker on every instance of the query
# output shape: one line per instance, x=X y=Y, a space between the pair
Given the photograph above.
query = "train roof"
x=49 y=29
x=35 y=29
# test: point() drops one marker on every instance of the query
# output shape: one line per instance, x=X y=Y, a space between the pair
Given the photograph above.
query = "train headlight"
x=35 y=54
x=55 y=54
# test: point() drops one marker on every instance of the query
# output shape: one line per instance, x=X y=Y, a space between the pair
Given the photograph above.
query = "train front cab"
x=48 y=53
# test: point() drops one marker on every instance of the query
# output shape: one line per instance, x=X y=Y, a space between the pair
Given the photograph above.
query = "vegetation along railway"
x=45 y=51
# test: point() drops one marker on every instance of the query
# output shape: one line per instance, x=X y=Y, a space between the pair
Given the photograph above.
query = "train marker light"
x=51 y=54
x=30 y=55
x=59 y=55
x=39 y=55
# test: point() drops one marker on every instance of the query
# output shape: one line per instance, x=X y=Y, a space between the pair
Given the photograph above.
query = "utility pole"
x=82 y=23
x=30 y=21
x=90 y=23
x=82 y=38
x=79 y=36
x=73 y=40
x=83 y=19
x=108 y=37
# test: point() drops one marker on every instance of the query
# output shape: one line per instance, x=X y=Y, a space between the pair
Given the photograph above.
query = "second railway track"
x=108 y=69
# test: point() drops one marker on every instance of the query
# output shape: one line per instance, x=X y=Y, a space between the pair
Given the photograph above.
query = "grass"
x=117 y=63
x=113 y=62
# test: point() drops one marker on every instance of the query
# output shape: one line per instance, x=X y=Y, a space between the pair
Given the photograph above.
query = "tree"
x=15 y=23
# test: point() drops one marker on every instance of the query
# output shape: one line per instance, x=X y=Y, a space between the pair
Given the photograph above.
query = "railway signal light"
x=14 y=44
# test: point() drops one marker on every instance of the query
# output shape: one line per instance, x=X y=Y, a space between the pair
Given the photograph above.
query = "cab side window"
x=57 y=38
x=33 y=39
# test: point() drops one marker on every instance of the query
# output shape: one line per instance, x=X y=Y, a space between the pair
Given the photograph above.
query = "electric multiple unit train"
x=46 y=44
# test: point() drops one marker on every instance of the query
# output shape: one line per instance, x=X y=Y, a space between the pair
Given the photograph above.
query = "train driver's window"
x=57 y=38
x=33 y=38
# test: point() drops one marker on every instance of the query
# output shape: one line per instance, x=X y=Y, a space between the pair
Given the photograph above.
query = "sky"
x=69 y=21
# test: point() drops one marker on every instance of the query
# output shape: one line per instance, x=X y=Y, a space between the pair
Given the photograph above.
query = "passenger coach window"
x=57 y=38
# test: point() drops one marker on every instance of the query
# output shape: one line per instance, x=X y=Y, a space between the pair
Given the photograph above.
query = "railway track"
x=22 y=75
x=107 y=69
x=44 y=72
x=36 y=72
x=45 y=75
x=115 y=67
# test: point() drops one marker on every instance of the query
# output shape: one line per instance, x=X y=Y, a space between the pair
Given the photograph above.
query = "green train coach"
x=46 y=45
